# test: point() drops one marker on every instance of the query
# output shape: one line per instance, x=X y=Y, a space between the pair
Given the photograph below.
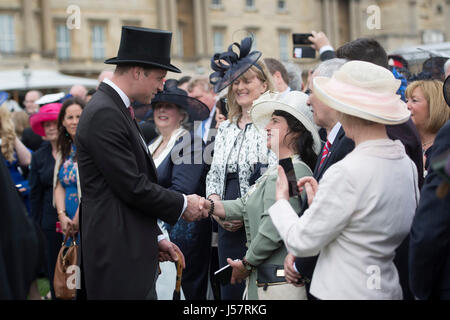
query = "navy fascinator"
x=228 y=66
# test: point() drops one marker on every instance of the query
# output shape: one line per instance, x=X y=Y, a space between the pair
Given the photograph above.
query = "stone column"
x=327 y=19
x=198 y=28
x=413 y=17
x=207 y=31
x=28 y=34
x=335 y=12
x=162 y=15
x=355 y=19
x=447 y=20
x=173 y=24
x=46 y=21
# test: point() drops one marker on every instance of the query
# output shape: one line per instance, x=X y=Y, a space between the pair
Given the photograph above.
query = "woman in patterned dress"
x=65 y=178
x=240 y=151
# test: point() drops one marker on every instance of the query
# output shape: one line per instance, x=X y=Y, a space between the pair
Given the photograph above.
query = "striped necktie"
x=326 y=150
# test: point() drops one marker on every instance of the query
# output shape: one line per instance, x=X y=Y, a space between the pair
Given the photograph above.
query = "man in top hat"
x=121 y=199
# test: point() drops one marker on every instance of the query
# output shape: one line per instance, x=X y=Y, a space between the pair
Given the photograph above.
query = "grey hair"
x=328 y=67
x=185 y=123
x=446 y=65
x=295 y=75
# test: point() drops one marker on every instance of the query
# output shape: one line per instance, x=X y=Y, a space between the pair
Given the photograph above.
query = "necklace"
x=424 y=145
x=427 y=143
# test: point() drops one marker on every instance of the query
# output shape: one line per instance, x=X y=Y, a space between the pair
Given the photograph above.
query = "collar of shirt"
x=211 y=115
x=333 y=133
x=326 y=48
x=122 y=94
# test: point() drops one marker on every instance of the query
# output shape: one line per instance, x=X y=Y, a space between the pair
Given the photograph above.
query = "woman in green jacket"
x=291 y=133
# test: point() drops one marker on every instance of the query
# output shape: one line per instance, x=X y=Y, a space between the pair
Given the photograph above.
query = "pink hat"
x=364 y=90
x=49 y=112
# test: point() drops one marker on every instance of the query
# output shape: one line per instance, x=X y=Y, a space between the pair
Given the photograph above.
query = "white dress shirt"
x=333 y=133
x=206 y=124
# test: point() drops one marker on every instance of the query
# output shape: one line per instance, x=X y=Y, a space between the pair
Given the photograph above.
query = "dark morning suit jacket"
x=339 y=149
x=429 y=251
x=121 y=201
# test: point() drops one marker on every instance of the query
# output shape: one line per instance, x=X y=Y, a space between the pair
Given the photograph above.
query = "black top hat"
x=196 y=109
x=143 y=46
x=228 y=66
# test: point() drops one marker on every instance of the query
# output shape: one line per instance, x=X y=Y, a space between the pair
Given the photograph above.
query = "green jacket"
x=263 y=241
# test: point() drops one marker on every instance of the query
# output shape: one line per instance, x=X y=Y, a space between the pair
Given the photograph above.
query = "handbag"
x=67 y=256
x=272 y=284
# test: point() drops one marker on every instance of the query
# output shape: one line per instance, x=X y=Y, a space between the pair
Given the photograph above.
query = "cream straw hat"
x=364 y=90
x=293 y=102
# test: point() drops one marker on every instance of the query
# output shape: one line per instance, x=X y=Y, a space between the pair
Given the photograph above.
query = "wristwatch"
x=247 y=265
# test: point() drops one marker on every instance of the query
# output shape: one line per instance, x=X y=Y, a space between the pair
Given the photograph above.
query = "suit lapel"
x=132 y=123
x=329 y=159
x=331 y=155
x=213 y=122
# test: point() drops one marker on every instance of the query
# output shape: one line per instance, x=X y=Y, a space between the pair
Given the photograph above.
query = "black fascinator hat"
x=196 y=109
x=229 y=65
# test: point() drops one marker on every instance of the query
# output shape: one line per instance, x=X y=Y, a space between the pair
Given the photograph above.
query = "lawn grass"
x=43 y=286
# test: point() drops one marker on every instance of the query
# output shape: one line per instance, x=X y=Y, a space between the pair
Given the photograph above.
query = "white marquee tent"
x=41 y=79
x=419 y=53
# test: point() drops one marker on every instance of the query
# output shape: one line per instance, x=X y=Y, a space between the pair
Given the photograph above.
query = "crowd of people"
x=146 y=172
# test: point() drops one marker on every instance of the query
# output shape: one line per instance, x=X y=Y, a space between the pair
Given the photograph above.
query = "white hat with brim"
x=364 y=90
x=294 y=103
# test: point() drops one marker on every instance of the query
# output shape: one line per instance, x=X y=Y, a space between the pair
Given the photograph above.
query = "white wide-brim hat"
x=294 y=103
x=364 y=90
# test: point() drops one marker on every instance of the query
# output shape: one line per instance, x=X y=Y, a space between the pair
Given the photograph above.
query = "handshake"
x=197 y=208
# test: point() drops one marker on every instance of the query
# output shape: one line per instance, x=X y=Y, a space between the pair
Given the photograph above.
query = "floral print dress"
x=68 y=178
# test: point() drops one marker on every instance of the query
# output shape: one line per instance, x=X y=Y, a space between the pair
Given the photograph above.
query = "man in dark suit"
x=334 y=149
x=201 y=89
x=121 y=200
x=429 y=250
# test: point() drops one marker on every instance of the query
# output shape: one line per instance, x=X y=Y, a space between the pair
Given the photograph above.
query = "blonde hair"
x=438 y=109
x=7 y=134
x=21 y=121
x=234 y=109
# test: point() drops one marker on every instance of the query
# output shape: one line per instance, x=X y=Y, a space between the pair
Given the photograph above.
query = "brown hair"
x=438 y=109
x=275 y=65
x=263 y=74
x=124 y=68
x=64 y=142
